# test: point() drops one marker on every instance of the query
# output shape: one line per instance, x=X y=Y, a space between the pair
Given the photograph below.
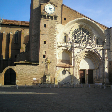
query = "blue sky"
x=98 y=10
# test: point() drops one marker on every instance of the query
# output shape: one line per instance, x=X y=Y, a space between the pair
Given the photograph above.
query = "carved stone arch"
x=93 y=56
x=89 y=23
x=86 y=23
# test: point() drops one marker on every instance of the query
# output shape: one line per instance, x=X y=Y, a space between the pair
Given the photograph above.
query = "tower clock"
x=49 y=8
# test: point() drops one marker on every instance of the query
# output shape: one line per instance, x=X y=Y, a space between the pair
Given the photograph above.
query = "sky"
x=98 y=10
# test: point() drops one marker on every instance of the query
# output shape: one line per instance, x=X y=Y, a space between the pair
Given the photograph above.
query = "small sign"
x=34 y=79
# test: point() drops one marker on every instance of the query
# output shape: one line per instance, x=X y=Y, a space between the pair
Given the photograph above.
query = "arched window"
x=65 y=39
x=16 y=37
x=97 y=41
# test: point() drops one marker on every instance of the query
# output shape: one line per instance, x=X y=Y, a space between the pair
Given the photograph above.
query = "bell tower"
x=44 y=15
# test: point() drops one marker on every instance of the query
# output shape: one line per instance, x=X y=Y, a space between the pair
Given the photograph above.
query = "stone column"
x=73 y=63
x=106 y=67
x=103 y=57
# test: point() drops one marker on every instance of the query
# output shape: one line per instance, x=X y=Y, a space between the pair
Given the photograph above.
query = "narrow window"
x=16 y=37
x=44 y=42
x=96 y=41
x=48 y=17
x=55 y=18
x=44 y=56
x=51 y=17
x=64 y=18
x=45 y=25
x=65 y=39
x=44 y=16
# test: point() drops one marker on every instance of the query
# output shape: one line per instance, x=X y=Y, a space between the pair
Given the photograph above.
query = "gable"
x=71 y=14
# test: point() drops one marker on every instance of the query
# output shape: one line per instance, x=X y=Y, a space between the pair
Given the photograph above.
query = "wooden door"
x=90 y=76
x=82 y=76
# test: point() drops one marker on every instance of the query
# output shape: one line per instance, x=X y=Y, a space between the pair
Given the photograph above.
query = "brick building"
x=59 y=45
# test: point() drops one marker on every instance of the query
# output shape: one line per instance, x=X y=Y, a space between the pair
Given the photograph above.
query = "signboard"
x=34 y=79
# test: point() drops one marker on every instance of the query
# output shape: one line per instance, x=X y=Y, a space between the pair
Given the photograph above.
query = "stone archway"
x=88 y=62
x=10 y=77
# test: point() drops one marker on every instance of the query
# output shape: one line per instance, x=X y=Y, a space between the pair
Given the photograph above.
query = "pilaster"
x=4 y=45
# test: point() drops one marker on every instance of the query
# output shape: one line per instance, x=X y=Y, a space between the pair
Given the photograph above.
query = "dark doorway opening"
x=10 y=77
x=90 y=76
x=82 y=76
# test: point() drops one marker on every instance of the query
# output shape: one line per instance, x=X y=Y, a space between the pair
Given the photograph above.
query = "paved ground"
x=34 y=99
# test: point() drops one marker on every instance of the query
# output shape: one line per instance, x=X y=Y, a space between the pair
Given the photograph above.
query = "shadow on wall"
x=69 y=80
x=22 y=56
x=10 y=47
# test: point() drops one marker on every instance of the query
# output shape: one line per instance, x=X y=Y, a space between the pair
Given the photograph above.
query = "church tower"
x=45 y=14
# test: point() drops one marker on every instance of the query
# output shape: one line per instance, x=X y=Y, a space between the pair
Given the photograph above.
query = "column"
x=86 y=76
x=106 y=67
x=11 y=36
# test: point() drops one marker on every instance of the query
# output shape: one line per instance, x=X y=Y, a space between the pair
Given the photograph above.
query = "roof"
x=14 y=22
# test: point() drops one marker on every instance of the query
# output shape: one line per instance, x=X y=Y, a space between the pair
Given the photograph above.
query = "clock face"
x=81 y=35
x=49 y=8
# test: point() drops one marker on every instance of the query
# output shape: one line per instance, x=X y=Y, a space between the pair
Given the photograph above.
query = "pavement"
x=63 y=99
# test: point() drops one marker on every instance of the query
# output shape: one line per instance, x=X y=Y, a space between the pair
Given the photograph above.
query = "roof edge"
x=15 y=22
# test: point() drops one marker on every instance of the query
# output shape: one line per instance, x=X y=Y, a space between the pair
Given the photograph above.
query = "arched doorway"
x=10 y=77
x=86 y=71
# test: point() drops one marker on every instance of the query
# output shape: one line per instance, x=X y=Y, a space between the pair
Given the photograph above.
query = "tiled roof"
x=14 y=22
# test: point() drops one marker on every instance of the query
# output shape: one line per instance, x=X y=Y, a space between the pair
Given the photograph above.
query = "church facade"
x=63 y=46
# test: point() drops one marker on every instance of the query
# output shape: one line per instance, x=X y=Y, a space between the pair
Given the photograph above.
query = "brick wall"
x=71 y=14
x=8 y=48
